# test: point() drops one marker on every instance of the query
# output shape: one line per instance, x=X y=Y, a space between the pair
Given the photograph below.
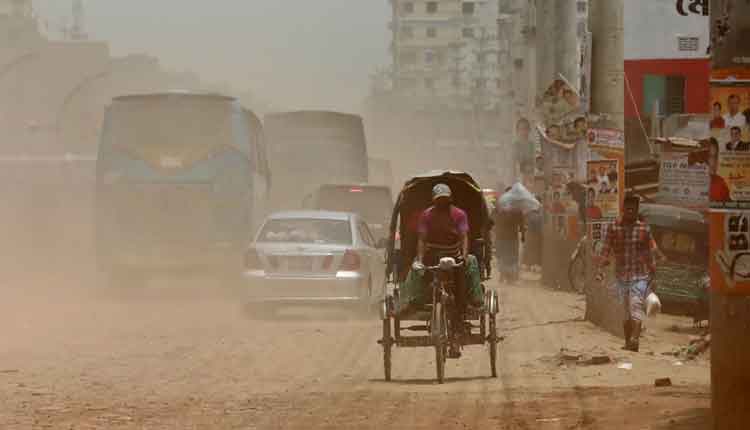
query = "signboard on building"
x=663 y=30
x=682 y=183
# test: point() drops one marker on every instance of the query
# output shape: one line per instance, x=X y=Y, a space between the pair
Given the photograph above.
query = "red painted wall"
x=696 y=72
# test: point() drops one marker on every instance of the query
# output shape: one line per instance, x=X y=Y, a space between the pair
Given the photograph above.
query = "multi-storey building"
x=445 y=52
x=17 y=8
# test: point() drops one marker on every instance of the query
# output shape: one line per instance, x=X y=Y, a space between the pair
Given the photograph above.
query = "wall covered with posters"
x=729 y=150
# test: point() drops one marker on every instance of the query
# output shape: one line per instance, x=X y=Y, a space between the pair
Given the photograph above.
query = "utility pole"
x=607 y=101
x=730 y=296
x=567 y=56
x=608 y=65
x=547 y=47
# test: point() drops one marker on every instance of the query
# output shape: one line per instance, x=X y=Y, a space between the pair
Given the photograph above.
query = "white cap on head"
x=441 y=190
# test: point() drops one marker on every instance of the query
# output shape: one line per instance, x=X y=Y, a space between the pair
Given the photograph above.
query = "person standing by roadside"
x=532 y=252
x=508 y=227
x=634 y=249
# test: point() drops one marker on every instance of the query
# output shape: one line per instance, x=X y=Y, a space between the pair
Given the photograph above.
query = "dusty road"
x=88 y=359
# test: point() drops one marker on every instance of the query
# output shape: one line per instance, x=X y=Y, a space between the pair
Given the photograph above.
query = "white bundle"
x=653 y=305
x=518 y=198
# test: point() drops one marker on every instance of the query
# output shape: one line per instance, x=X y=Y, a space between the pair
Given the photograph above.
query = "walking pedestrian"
x=508 y=227
x=532 y=252
x=634 y=249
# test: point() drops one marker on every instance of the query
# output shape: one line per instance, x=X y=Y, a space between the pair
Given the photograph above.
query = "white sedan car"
x=314 y=257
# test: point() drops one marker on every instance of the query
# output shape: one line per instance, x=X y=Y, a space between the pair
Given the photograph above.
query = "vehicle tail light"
x=252 y=260
x=350 y=262
x=327 y=261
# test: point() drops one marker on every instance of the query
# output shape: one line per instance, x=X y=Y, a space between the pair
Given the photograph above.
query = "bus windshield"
x=171 y=133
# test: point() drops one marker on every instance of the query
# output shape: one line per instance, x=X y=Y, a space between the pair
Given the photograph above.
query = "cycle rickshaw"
x=429 y=319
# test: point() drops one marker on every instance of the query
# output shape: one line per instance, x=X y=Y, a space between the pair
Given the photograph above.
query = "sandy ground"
x=176 y=358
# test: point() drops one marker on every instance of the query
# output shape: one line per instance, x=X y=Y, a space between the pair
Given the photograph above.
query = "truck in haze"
x=312 y=148
x=381 y=172
x=181 y=184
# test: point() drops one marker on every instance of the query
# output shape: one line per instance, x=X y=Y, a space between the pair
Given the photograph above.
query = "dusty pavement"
x=78 y=358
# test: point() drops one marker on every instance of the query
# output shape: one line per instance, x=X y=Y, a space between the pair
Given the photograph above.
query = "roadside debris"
x=697 y=346
x=582 y=359
x=663 y=382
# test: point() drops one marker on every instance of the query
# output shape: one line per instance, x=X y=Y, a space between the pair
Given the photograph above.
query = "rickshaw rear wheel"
x=492 y=340
x=387 y=346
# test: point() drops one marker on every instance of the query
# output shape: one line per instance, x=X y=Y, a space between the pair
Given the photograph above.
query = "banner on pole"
x=603 y=190
x=606 y=138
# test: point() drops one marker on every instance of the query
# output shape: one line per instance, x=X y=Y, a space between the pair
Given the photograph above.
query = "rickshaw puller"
x=444 y=232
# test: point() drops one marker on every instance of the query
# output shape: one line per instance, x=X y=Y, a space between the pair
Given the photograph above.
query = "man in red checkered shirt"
x=634 y=249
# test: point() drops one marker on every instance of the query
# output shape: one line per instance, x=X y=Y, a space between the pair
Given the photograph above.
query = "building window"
x=406 y=33
x=431 y=32
x=499 y=83
x=407 y=7
x=581 y=7
x=432 y=7
x=429 y=83
x=429 y=56
x=467 y=33
x=667 y=93
x=468 y=8
x=479 y=83
x=408 y=58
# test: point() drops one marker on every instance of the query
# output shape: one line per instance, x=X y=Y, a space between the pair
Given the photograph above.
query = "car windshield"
x=307 y=230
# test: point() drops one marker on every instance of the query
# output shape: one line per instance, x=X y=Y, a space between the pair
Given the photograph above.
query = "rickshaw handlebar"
x=438 y=267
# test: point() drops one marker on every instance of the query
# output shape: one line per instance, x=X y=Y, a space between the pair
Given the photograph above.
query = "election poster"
x=729 y=179
x=596 y=231
x=730 y=113
x=682 y=183
x=560 y=204
x=730 y=251
x=602 y=190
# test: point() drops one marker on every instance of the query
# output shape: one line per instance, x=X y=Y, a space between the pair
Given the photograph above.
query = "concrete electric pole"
x=608 y=60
